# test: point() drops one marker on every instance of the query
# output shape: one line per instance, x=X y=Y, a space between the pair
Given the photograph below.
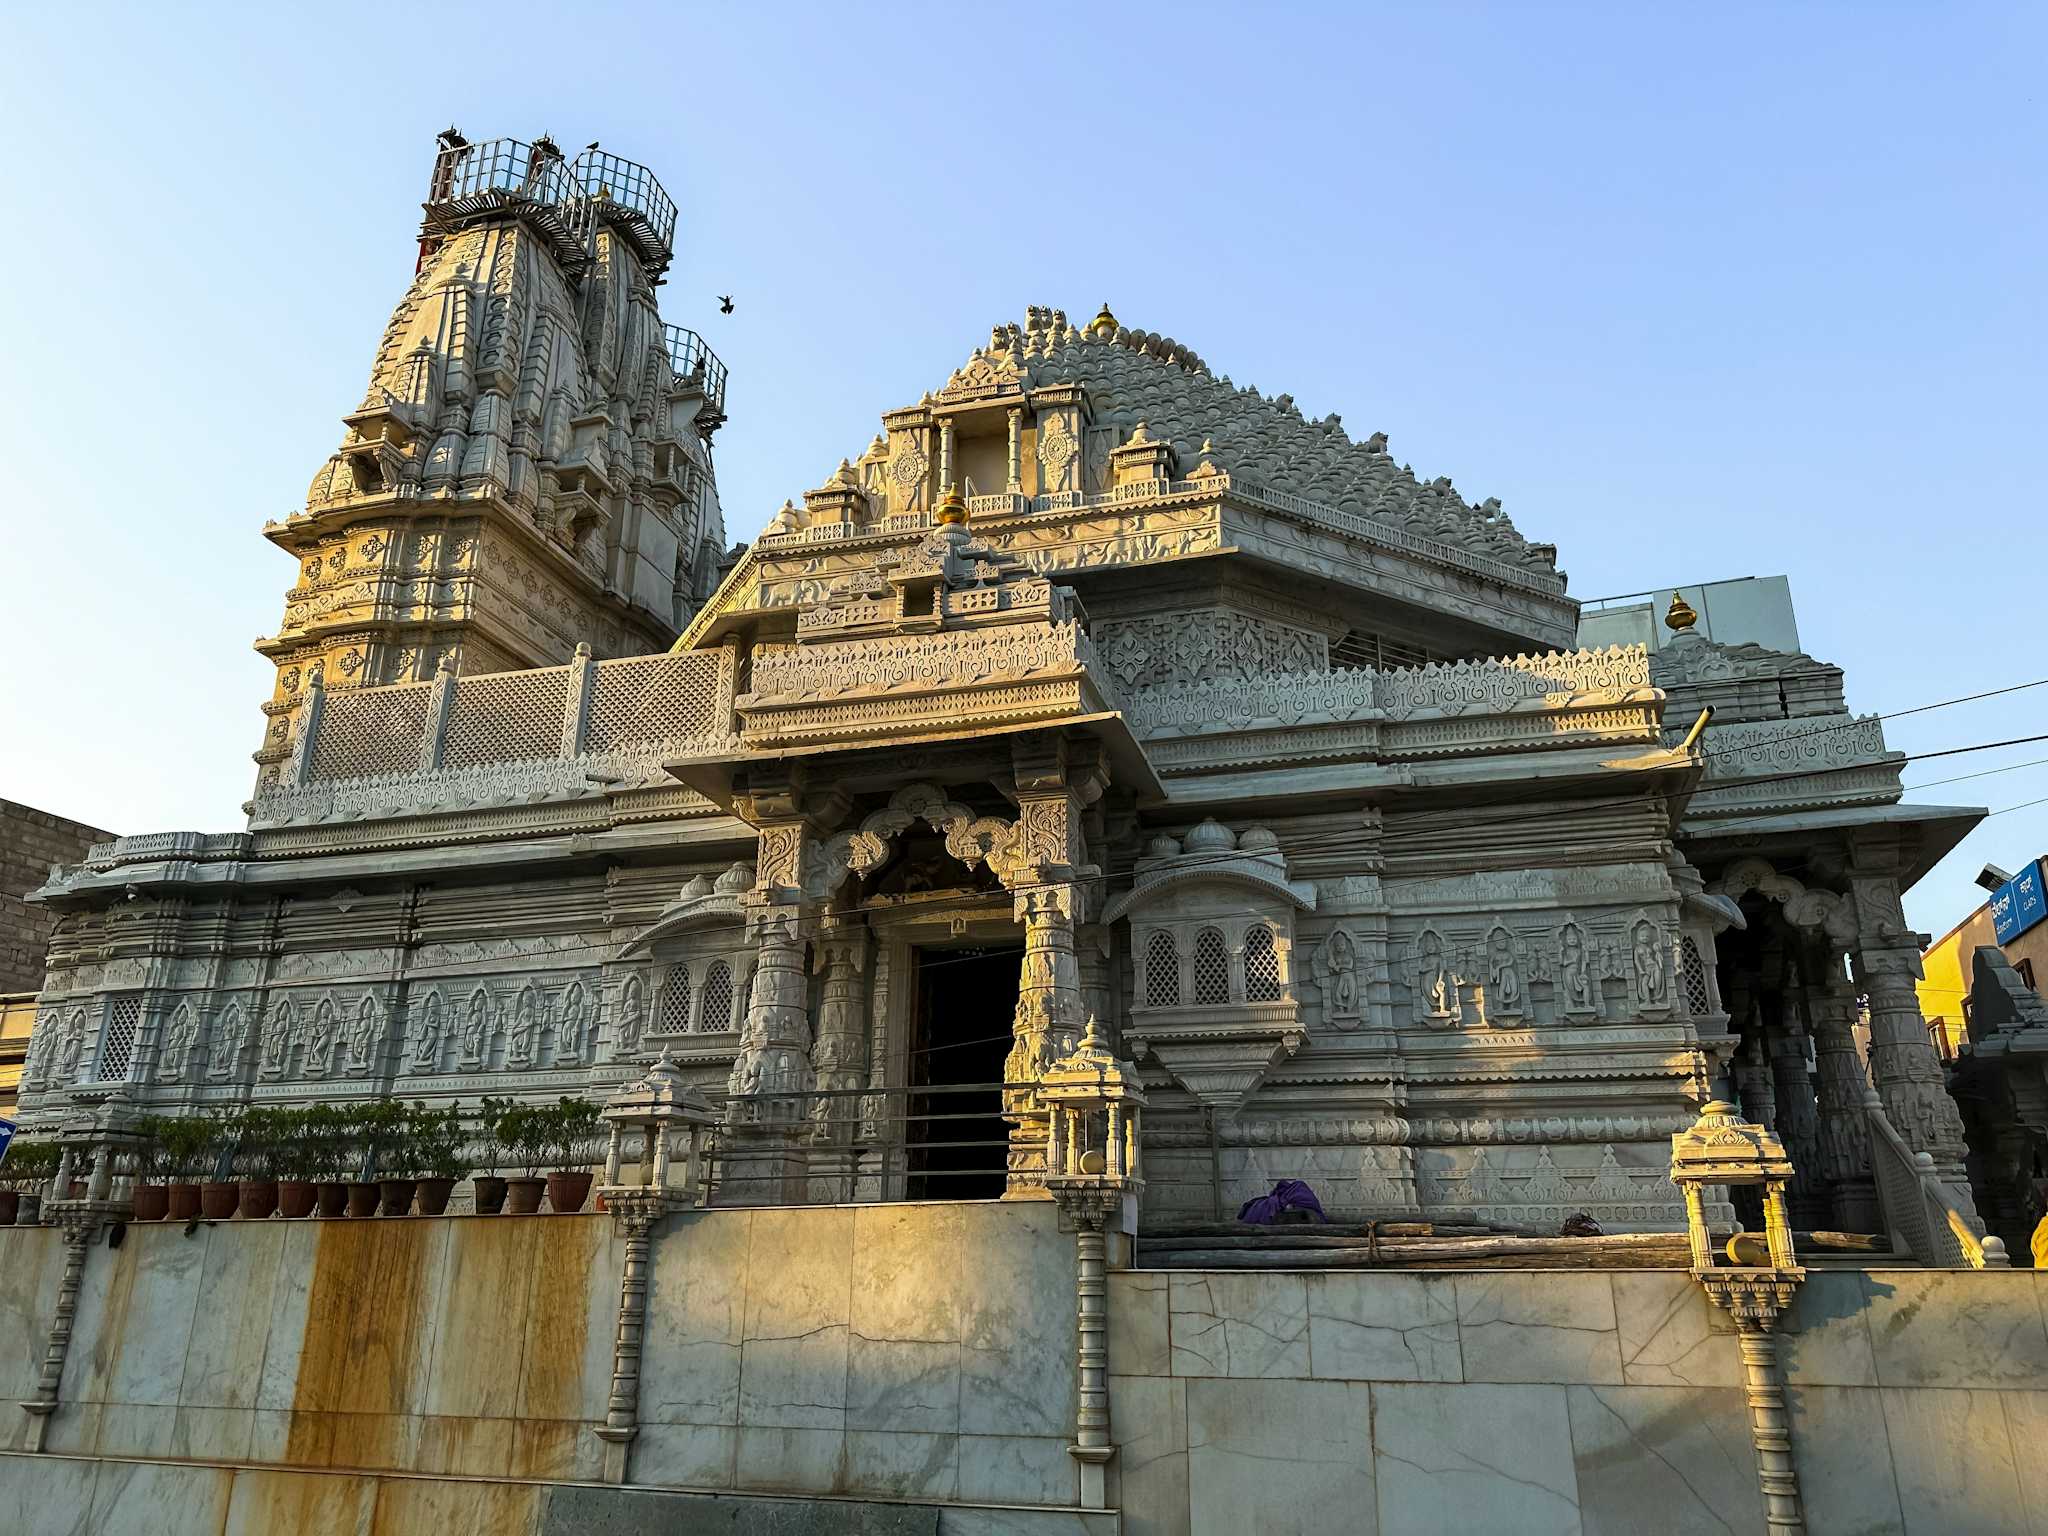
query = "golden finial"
x=952 y=506
x=1104 y=324
x=1680 y=616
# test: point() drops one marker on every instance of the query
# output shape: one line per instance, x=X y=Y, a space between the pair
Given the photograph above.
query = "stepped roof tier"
x=1086 y=452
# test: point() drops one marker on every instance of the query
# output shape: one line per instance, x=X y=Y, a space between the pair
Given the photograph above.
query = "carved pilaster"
x=634 y=1215
x=1841 y=1085
x=839 y=1056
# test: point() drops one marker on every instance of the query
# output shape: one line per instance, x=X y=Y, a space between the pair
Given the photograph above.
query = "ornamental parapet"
x=1522 y=703
x=1798 y=764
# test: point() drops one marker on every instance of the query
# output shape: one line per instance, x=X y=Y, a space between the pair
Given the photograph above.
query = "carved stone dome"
x=1209 y=836
x=738 y=878
x=1257 y=840
x=1163 y=847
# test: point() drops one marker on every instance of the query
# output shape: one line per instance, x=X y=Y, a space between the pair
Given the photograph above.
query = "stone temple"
x=1096 y=686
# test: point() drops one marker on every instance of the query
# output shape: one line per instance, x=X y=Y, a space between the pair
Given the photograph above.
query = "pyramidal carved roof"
x=1135 y=376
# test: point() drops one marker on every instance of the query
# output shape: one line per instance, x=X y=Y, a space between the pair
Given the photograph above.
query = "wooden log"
x=1623 y=1250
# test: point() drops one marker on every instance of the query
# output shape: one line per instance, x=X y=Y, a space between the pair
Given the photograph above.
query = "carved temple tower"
x=530 y=468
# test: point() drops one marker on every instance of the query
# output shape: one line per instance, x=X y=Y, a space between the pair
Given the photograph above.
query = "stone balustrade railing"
x=1918 y=1212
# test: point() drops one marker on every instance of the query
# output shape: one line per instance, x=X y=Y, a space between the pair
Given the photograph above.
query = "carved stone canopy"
x=704 y=902
x=1212 y=852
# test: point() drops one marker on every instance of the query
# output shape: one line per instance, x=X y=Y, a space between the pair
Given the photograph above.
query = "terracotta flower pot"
x=152 y=1202
x=397 y=1196
x=362 y=1199
x=31 y=1211
x=332 y=1200
x=522 y=1196
x=434 y=1195
x=295 y=1197
x=218 y=1198
x=258 y=1199
x=184 y=1201
x=490 y=1194
x=568 y=1192
x=10 y=1206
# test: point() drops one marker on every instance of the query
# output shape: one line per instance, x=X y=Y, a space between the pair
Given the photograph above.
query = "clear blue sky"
x=1741 y=291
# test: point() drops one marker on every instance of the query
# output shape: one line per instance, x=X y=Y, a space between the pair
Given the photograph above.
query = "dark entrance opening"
x=956 y=1138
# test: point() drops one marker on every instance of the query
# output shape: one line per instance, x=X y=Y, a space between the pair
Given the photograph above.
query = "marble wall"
x=918 y=1352
x=1569 y=1402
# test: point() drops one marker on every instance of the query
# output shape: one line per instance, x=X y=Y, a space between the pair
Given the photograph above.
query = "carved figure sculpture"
x=277 y=1039
x=426 y=1034
x=569 y=1031
x=525 y=1026
x=1337 y=966
x=72 y=1048
x=1646 y=956
x=1576 y=990
x=320 y=1048
x=476 y=1028
x=227 y=1042
x=1436 y=989
x=362 y=1036
x=1505 y=993
x=632 y=1018
x=177 y=1041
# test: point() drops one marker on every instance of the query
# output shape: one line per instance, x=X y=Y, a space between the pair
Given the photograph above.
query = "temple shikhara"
x=1104 y=739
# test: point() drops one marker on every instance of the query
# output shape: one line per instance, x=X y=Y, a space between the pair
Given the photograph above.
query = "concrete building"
x=32 y=843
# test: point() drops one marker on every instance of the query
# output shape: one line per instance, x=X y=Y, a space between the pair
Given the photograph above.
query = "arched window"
x=675 y=1001
x=1692 y=973
x=1162 y=971
x=1212 y=967
x=714 y=1009
x=1261 y=966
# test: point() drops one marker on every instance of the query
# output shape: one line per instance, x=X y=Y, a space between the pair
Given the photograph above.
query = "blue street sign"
x=2019 y=904
x=6 y=1137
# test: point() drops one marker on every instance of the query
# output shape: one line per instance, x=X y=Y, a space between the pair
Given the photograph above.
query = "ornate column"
x=1841 y=1084
x=1015 y=485
x=1903 y=1062
x=1721 y=1149
x=767 y=1120
x=1798 y=1121
x=839 y=1057
x=633 y=1216
x=1043 y=869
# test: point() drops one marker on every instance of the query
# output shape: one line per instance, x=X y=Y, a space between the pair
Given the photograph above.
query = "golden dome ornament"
x=952 y=507
x=1104 y=324
x=1680 y=616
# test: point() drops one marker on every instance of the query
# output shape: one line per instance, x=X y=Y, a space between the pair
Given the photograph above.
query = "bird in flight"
x=725 y=303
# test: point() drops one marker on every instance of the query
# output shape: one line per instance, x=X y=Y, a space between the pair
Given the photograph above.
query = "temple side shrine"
x=1095 y=686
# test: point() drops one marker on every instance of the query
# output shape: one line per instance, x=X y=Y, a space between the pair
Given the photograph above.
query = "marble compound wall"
x=922 y=1356
x=915 y=1351
x=1544 y=1401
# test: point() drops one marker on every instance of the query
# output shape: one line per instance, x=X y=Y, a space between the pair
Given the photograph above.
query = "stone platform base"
x=90 y=1496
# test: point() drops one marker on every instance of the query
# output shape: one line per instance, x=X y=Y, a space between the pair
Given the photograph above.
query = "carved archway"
x=973 y=840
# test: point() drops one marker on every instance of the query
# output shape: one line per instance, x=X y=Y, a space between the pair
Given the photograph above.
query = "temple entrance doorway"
x=956 y=1139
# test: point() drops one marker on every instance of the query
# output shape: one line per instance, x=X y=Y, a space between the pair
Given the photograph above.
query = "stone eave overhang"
x=713 y=775
x=1925 y=834
x=263 y=871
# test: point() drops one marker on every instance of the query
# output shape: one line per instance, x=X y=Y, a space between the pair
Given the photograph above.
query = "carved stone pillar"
x=1048 y=1018
x=839 y=1057
x=1798 y=1119
x=1903 y=1062
x=634 y=1217
x=1015 y=485
x=1098 y=986
x=1754 y=1080
x=1841 y=1084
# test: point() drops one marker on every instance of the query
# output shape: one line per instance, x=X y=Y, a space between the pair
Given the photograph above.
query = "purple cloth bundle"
x=1288 y=1195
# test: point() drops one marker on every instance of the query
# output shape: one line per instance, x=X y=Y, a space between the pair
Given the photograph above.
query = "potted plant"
x=220 y=1198
x=257 y=1134
x=151 y=1200
x=489 y=1188
x=438 y=1155
x=523 y=1131
x=332 y=1149
x=388 y=1124
x=188 y=1146
x=573 y=1128
x=29 y=1167
x=294 y=1159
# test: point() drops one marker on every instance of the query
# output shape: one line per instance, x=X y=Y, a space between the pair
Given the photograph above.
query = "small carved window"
x=1261 y=966
x=675 y=1001
x=714 y=1009
x=1212 y=968
x=1162 y=971
x=117 y=1045
x=1692 y=971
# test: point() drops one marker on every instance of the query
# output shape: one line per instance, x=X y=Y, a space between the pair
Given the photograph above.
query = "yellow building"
x=17 y=1018
x=1945 y=990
